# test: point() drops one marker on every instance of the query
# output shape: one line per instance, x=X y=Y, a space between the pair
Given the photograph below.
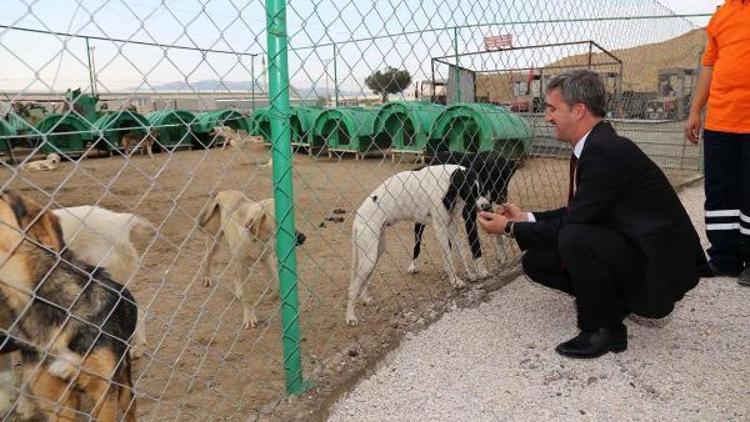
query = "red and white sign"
x=495 y=42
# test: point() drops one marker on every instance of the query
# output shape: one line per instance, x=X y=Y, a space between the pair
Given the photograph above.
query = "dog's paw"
x=249 y=321
x=25 y=407
x=136 y=352
x=207 y=281
x=456 y=282
x=63 y=368
x=481 y=269
x=351 y=320
x=412 y=268
x=6 y=399
x=366 y=299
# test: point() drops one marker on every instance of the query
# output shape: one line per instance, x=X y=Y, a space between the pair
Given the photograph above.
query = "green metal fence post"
x=278 y=75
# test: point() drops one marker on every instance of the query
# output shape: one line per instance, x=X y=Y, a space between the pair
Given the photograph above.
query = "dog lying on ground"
x=441 y=195
x=102 y=238
x=49 y=163
x=133 y=140
x=72 y=323
x=250 y=230
x=493 y=172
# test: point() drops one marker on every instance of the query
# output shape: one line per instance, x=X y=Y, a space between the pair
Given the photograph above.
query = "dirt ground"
x=200 y=363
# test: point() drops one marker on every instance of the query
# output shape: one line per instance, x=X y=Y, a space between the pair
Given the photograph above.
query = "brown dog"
x=132 y=141
x=71 y=322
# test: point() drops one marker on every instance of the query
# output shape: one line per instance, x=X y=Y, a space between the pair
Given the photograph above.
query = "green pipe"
x=279 y=112
x=91 y=71
x=335 y=78
x=252 y=82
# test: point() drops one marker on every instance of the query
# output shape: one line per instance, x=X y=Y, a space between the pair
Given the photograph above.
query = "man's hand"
x=492 y=223
x=693 y=128
x=513 y=212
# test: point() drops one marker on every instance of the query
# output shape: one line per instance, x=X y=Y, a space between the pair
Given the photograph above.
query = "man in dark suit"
x=623 y=244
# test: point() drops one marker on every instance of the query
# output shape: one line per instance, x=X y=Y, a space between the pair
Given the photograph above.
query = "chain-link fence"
x=136 y=139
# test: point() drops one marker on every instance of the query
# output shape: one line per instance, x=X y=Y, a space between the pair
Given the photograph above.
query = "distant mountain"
x=212 y=85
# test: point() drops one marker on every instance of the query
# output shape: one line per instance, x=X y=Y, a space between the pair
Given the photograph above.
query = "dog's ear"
x=260 y=224
x=34 y=221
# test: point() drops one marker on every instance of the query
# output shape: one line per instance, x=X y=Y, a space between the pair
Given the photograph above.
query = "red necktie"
x=573 y=163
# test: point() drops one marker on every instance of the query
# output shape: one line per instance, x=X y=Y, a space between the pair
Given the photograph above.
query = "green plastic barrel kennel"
x=407 y=124
x=6 y=133
x=349 y=129
x=177 y=128
x=114 y=124
x=206 y=121
x=66 y=132
x=481 y=127
x=260 y=124
x=301 y=121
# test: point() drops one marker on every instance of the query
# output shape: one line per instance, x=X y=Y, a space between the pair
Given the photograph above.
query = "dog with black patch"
x=441 y=195
x=493 y=172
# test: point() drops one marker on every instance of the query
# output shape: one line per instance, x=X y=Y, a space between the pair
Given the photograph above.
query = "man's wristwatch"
x=509 y=228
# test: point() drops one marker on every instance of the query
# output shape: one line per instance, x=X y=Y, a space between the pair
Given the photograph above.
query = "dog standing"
x=133 y=140
x=238 y=139
x=71 y=322
x=493 y=172
x=441 y=195
x=250 y=230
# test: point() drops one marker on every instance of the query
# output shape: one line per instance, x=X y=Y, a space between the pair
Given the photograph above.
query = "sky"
x=53 y=63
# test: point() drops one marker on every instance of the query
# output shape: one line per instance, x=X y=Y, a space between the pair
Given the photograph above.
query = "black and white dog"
x=442 y=195
x=493 y=172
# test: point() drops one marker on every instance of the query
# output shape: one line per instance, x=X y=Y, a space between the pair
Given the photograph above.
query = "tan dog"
x=238 y=139
x=72 y=323
x=250 y=230
x=49 y=163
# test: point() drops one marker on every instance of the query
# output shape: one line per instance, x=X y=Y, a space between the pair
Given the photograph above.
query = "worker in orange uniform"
x=724 y=84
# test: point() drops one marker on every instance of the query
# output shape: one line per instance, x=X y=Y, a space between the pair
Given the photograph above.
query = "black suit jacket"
x=620 y=188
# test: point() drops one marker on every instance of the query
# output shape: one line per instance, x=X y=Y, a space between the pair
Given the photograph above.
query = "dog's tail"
x=140 y=226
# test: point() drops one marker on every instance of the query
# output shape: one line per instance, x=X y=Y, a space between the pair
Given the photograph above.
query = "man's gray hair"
x=581 y=86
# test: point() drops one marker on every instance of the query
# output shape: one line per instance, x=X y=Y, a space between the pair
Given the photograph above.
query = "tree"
x=388 y=81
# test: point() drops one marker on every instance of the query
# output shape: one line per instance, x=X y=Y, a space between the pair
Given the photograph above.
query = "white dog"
x=101 y=238
x=444 y=195
x=49 y=163
x=250 y=230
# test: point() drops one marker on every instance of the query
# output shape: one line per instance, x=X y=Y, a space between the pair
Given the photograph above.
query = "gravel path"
x=496 y=362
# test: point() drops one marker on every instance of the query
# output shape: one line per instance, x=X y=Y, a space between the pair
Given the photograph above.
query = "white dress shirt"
x=577 y=150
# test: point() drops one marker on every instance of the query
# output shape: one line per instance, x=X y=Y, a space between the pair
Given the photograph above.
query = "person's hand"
x=492 y=223
x=513 y=212
x=693 y=128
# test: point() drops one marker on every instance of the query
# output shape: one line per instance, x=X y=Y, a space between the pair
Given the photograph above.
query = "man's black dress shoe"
x=592 y=344
x=710 y=270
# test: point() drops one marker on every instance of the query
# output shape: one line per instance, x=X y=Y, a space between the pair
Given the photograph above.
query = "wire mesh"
x=145 y=129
